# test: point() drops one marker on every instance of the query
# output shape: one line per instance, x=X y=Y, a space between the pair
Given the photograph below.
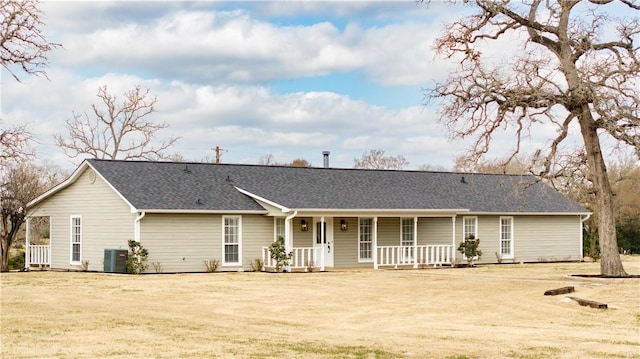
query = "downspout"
x=288 y=235
x=582 y=220
x=375 y=242
x=136 y=226
x=415 y=242
x=453 y=240
x=27 y=245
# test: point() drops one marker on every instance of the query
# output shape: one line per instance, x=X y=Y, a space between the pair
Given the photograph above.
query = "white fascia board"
x=353 y=212
x=256 y=197
x=202 y=211
x=530 y=213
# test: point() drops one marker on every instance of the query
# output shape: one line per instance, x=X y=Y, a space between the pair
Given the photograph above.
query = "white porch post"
x=415 y=242
x=375 y=242
x=453 y=240
x=322 y=243
x=288 y=235
x=27 y=245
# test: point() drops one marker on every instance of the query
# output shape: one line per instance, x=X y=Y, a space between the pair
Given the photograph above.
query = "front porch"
x=321 y=241
x=309 y=258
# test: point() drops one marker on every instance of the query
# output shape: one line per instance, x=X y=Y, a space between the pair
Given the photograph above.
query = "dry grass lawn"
x=496 y=311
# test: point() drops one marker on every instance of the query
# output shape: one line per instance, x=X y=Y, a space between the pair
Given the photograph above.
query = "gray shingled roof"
x=206 y=186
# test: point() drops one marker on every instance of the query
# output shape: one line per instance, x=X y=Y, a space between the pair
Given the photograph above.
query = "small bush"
x=85 y=265
x=279 y=254
x=157 y=267
x=257 y=264
x=211 y=265
x=469 y=248
x=16 y=261
x=310 y=265
x=137 y=261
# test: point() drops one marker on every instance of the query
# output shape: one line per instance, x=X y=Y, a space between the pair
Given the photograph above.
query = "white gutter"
x=136 y=226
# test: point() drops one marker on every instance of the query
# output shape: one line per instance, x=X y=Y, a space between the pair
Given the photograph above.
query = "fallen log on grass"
x=562 y=290
x=589 y=303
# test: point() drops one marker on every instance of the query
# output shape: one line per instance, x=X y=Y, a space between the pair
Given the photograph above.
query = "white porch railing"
x=425 y=255
x=302 y=258
x=39 y=254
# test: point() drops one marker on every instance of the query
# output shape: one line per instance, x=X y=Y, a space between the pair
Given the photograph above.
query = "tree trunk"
x=610 y=262
x=11 y=224
x=4 y=267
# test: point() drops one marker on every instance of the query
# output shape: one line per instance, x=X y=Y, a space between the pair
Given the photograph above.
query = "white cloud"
x=214 y=46
x=211 y=66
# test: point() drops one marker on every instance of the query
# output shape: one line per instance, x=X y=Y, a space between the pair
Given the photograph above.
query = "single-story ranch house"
x=189 y=213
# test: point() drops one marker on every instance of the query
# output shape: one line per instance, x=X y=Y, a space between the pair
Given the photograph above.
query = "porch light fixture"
x=303 y=225
x=344 y=225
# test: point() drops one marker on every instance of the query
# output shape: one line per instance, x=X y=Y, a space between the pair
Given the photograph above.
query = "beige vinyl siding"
x=257 y=232
x=302 y=238
x=535 y=238
x=107 y=221
x=434 y=231
x=346 y=244
x=182 y=242
x=388 y=231
x=546 y=238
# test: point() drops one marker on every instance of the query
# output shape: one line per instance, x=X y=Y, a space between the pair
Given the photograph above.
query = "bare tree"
x=375 y=159
x=15 y=143
x=119 y=131
x=269 y=160
x=22 y=43
x=433 y=168
x=22 y=182
x=514 y=165
x=569 y=71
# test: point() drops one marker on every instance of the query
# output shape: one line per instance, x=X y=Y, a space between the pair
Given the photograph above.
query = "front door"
x=324 y=238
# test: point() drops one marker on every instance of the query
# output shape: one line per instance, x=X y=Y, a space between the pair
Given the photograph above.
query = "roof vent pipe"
x=325 y=158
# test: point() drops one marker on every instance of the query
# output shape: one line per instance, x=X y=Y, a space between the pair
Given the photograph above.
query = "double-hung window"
x=470 y=227
x=365 y=243
x=76 y=239
x=279 y=228
x=506 y=237
x=406 y=234
x=232 y=240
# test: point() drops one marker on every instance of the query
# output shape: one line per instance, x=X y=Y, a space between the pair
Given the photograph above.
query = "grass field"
x=495 y=311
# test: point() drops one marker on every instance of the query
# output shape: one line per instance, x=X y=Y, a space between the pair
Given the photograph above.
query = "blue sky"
x=290 y=79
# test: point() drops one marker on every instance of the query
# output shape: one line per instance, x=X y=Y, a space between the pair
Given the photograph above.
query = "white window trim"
x=464 y=227
x=408 y=251
x=371 y=224
x=413 y=242
x=71 y=261
x=500 y=238
x=239 y=262
x=464 y=232
x=275 y=227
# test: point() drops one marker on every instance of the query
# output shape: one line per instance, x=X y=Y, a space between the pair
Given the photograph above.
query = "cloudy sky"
x=291 y=79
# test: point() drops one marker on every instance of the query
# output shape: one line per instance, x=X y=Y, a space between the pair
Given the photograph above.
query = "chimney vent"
x=463 y=180
x=325 y=158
